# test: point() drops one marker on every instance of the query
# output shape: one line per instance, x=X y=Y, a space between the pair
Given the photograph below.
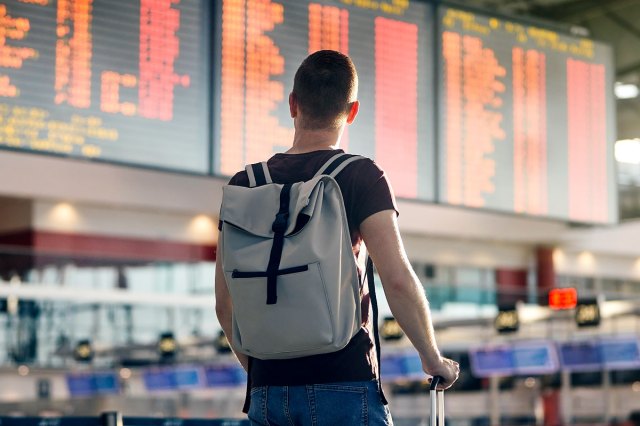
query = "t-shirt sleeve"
x=367 y=191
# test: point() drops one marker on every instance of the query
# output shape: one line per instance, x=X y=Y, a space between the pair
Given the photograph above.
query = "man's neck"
x=315 y=140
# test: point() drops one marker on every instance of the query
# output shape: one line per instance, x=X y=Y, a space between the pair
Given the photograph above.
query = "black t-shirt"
x=365 y=190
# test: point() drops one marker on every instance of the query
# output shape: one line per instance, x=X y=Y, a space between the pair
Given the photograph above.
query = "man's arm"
x=224 y=309
x=404 y=292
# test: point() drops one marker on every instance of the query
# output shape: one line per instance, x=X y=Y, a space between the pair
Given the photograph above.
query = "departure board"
x=526 y=119
x=117 y=80
x=263 y=42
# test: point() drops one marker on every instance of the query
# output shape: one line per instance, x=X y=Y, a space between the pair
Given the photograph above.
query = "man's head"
x=324 y=91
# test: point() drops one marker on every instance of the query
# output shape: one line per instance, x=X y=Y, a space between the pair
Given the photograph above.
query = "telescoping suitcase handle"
x=437 y=402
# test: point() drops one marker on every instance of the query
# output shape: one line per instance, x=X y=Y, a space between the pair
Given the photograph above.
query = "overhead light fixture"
x=628 y=151
x=83 y=351
x=507 y=320
x=167 y=347
x=222 y=343
x=588 y=313
x=626 y=90
x=391 y=330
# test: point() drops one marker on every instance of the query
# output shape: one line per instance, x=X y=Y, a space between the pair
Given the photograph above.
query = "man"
x=338 y=388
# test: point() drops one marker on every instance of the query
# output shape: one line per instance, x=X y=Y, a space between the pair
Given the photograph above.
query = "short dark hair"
x=325 y=86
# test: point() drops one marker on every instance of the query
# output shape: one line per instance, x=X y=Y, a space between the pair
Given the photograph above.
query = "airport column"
x=553 y=406
x=511 y=285
x=545 y=273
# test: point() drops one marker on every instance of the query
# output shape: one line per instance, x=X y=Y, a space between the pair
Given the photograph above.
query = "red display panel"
x=586 y=112
x=262 y=44
x=396 y=119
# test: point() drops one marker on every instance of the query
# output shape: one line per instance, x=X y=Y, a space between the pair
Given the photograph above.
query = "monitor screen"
x=115 y=80
x=262 y=43
x=526 y=119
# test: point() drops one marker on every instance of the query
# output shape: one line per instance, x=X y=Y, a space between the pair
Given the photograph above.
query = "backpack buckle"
x=280 y=224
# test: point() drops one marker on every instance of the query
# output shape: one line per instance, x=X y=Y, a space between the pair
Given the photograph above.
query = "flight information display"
x=525 y=119
x=118 y=80
x=263 y=42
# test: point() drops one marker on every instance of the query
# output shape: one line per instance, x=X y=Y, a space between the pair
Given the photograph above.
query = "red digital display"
x=563 y=298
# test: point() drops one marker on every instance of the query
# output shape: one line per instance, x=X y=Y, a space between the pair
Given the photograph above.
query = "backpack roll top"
x=289 y=266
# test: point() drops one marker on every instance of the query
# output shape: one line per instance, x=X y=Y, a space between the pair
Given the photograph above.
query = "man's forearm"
x=411 y=309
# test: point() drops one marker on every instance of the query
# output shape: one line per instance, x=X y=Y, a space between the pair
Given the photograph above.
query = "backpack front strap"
x=279 y=227
x=258 y=174
x=336 y=164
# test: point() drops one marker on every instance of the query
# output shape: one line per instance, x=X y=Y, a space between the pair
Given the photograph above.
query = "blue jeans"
x=347 y=403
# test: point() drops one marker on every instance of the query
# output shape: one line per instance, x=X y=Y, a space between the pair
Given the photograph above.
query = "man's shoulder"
x=363 y=170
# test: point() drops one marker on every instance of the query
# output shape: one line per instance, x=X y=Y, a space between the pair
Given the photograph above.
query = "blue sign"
x=580 y=356
x=93 y=384
x=172 y=378
x=619 y=353
x=224 y=376
x=413 y=366
x=391 y=367
x=402 y=366
x=534 y=358
x=488 y=362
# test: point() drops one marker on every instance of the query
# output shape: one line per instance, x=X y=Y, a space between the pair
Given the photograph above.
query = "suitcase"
x=437 y=403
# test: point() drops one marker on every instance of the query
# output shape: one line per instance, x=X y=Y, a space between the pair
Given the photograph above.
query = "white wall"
x=124 y=201
x=50 y=178
x=104 y=220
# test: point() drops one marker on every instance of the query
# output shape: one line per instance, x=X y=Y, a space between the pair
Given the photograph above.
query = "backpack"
x=289 y=265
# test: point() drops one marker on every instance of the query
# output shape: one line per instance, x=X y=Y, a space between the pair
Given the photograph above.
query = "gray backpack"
x=289 y=265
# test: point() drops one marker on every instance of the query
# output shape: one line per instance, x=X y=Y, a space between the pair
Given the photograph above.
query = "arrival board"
x=117 y=80
x=263 y=42
x=526 y=119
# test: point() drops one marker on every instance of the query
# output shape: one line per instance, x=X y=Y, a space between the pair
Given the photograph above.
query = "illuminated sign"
x=563 y=298
x=494 y=361
x=403 y=365
x=518 y=359
x=225 y=376
x=580 y=356
x=620 y=353
x=92 y=384
x=507 y=320
x=173 y=378
x=588 y=313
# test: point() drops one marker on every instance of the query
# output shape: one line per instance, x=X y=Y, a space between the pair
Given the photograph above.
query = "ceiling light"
x=628 y=151
x=626 y=90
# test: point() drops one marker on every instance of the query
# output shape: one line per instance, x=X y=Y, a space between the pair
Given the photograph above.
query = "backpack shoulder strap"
x=258 y=174
x=336 y=164
x=374 y=319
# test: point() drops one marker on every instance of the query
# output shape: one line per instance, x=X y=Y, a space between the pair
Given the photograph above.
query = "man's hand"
x=446 y=368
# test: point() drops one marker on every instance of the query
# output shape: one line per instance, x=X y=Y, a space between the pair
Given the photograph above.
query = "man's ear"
x=355 y=107
x=293 y=105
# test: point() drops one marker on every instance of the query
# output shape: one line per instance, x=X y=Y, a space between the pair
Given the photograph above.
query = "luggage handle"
x=437 y=402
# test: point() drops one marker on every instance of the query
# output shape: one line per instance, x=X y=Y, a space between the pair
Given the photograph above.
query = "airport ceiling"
x=616 y=22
